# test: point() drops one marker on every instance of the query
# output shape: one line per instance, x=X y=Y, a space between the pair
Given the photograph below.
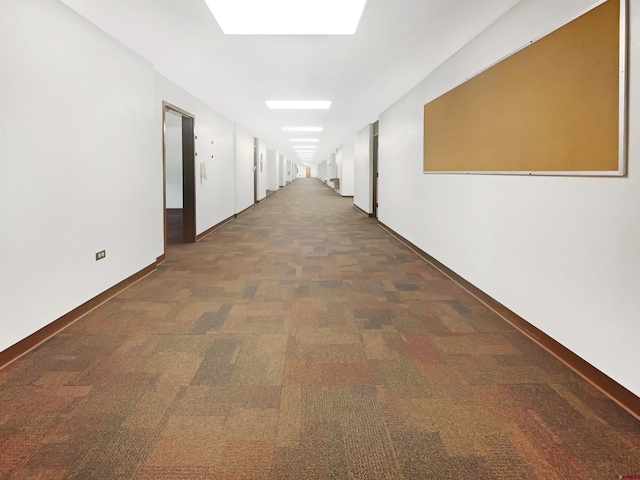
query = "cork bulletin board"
x=555 y=107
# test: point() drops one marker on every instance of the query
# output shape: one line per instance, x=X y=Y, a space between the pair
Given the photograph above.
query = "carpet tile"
x=301 y=341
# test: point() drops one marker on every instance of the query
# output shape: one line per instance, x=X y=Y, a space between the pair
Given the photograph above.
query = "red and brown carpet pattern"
x=301 y=341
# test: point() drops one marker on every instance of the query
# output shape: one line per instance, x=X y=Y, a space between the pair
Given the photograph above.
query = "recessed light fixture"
x=308 y=140
x=287 y=17
x=298 y=104
x=302 y=129
x=305 y=147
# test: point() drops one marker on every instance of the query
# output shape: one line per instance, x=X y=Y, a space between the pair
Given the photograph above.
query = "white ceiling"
x=397 y=44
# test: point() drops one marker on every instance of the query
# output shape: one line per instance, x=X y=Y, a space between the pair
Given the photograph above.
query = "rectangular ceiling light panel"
x=298 y=104
x=307 y=140
x=287 y=17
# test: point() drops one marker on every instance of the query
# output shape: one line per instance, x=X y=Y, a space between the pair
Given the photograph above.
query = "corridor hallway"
x=301 y=341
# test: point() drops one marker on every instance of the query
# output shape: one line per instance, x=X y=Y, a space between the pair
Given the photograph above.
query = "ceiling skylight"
x=302 y=129
x=287 y=17
x=298 y=104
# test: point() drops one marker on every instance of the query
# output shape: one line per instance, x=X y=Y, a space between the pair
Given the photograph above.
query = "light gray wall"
x=244 y=142
x=290 y=170
x=93 y=181
x=362 y=169
x=273 y=170
x=346 y=170
x=80 y=164
x=282 y=171
x=262 y=170
x=562 y=252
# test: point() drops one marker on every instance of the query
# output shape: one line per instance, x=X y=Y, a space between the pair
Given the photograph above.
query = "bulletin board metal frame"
x=449 y=105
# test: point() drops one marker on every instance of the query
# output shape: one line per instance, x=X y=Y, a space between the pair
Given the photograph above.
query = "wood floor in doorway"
x=174 y=226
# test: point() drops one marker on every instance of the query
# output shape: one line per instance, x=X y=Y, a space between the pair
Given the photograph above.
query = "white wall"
x=344 y=162
x=262 y=170
x=290 y=170
x=80 y=164
x=338 y=161
x=173 y=165
x=244 y=143
x=273 y=170
x=322 y=171
x=363 y=168
x=562 y=252
x=215 y=146
x=282 y=172
x=332 y=166
x=71 y=192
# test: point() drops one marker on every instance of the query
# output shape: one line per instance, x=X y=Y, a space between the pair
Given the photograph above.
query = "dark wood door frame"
x=188 y=180
x=188 y=173
x=374 y=170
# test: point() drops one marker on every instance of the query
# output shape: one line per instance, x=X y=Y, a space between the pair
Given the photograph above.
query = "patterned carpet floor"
x=301 y=341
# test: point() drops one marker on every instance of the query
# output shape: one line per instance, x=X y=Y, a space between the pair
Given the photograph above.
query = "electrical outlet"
x=101 y=254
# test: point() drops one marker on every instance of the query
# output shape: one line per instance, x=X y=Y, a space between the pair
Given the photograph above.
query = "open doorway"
x=179 y=175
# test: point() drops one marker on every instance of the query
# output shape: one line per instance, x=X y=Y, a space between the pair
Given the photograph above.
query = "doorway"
x=178 y=152
x=374 y=171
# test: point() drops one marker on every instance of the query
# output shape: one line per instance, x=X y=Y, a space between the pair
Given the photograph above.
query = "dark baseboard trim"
x=612 y=389
x=214 y=228
x=241 y=212
x=362 y=211
x=161 y=259
x=32 y=341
